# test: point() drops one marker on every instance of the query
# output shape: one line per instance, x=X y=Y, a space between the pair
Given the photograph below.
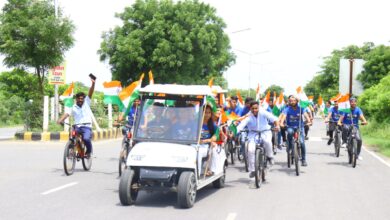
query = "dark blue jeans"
x=86 y=134
x=290 y=133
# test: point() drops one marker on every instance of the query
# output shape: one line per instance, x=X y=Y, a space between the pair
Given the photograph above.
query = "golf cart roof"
x=174 y=89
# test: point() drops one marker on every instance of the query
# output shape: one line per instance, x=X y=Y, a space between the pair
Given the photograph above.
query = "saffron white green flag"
x=344 y=105
x=278 y=105
x=303 y=100
x=258 y=93
x=67 y=96
x=111 y=93
x=265 y=103
x=129 y=94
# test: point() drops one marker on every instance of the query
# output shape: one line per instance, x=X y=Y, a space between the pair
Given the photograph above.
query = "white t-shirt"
x=83 y=114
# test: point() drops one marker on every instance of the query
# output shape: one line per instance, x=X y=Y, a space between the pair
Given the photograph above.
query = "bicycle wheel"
x=289 y=162
x=354 y=152
x=69 y=158
x=349 y=149
x=258 y=167
x=87 y=162
x=246 y=156
x=123 y=156
x=231 y=151
x=296 y=159
x=274 y=141
x=337 y=144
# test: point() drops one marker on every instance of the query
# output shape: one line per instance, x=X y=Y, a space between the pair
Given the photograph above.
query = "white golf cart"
x=167 y=152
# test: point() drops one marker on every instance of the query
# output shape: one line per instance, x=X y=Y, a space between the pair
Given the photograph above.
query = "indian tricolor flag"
x=151 y=79
x=335 y=98
x=129 y=94
x=111 y=93
x=258 y=94
x=240 y=100
x=344 y=105
x=303 y=100
x=265 y=102
x=321 y=102
x=278 y=104
x=67 y=96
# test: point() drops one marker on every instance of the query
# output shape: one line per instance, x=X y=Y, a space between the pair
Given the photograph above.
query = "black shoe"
x=252 y=174
x=271 y=161
x=306 y=138
x=304 y=163
x=87 y=155
x=330 y=141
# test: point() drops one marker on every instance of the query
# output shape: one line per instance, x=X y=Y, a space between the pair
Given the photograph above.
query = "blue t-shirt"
x=335 y=116
x=355 y=117
x=237 y=110
x=131 y=116
x=294 y=117
x=245 y=111
x=205 y=133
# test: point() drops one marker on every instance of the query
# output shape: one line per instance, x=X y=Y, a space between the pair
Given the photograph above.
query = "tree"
x=326 y=82
x=376 y=67
x=272 y=89
x=22 y=84
x=181 y=42
x=31 y=36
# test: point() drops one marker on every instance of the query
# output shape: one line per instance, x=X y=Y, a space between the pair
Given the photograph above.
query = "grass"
x=378 y=136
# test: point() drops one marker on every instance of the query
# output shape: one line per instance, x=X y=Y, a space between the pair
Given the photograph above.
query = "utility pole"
x=56 y=102
x=350 y=76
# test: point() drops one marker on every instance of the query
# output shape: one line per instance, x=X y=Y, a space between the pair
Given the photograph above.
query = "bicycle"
x=352 y=145
x=127 y=144
x=244 y=149
x=75 y=150
x=261 y=162
x=274 y=141
x=296 y=151
x=337 y=140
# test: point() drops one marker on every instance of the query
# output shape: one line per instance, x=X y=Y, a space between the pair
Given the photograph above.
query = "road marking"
x=376 y=156
x=231 y=216
x=59 y=188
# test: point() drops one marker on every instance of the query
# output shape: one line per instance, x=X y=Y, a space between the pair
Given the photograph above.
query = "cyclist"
x=82 y=114
x=308 y=110
x=332 y=118
x=258 y=120
x=326 y=112
x=233 y=107
x=244 y=112
x=130 y=116
x=293 y=115
x=345 y=120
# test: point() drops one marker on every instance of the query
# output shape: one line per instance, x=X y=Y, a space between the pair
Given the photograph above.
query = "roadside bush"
x=376 y=101
x=11 y=110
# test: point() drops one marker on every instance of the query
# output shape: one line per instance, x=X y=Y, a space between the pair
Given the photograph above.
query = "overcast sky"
x=290 y=37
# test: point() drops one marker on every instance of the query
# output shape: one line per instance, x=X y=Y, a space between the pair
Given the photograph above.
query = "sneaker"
x=306 y=138
x=280 y=147
x=304 y=163
x=344 y=145
x=252 y=174
x=360 y=157
x=330 y=141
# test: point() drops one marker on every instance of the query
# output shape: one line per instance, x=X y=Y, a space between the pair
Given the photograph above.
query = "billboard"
x=344 y=73
x=57 y=75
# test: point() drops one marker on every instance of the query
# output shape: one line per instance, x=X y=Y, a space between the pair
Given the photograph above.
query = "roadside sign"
x=57 y=75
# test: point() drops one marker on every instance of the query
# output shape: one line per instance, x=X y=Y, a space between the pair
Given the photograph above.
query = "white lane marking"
x=231 y=216
x=376 y=156
x=59 y=188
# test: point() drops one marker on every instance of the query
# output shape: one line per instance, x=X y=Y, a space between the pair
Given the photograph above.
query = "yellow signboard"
x=57 y=75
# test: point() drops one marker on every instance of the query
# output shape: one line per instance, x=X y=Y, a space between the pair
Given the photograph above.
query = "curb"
x=64 y=136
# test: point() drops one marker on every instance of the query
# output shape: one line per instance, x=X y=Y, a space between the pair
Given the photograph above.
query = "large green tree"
x=326 y=82
x=182 y=42
x=376 y=67
x=31 y=36
x=272 y=89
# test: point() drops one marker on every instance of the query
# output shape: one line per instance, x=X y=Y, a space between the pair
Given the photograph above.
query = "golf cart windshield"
x=168 y=121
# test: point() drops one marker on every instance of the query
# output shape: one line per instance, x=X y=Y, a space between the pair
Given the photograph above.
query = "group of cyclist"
x=343 y=121
x=253 y=117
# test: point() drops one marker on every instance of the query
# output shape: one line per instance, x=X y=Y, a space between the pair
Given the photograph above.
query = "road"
x=8 y=133
x=33 y=186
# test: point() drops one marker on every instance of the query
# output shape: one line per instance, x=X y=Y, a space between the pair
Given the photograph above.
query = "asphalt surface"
x=33 y=186
x=9 y=132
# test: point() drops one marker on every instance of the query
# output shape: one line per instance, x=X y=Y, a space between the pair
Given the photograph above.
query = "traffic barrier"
x=64 y=136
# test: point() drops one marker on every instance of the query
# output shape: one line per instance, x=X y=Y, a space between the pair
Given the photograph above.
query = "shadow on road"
x=345 y=164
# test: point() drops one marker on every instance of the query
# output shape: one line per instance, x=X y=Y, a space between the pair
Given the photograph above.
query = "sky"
x=287 y=39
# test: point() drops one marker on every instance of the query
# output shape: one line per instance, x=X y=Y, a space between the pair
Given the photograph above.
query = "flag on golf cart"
x=129 y=94
x=67 y=96
x=210 y=100
x=303 y=100
x=278 y=105
x=151 y=79
x=344 y=105
x=111 y=93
